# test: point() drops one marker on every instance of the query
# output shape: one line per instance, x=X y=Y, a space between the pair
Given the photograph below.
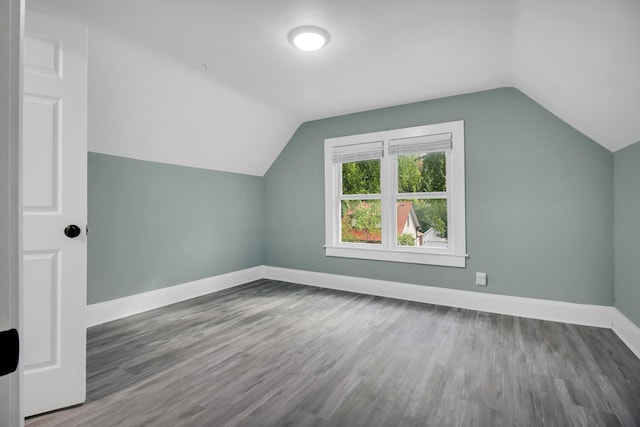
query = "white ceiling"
x=578 y=58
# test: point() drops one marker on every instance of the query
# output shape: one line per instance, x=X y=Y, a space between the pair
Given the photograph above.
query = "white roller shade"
x=358 y=152
x=420 y=144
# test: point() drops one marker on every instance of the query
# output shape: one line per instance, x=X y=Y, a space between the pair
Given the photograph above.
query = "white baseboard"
x=123 y=307
x=556 y=311
x=628 y=331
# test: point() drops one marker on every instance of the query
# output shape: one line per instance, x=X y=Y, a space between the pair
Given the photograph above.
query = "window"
x=397 y=195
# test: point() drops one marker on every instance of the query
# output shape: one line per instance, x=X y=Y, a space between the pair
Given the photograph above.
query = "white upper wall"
x=144 y=105
x=580 y=59
x=151 y=98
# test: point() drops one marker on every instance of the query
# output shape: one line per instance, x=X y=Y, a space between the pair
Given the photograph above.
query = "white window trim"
x=453 y=256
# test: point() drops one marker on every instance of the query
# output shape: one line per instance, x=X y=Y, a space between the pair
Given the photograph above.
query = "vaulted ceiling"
x=580 y=59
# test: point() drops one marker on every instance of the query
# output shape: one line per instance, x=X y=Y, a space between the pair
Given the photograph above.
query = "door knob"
x=72 y=231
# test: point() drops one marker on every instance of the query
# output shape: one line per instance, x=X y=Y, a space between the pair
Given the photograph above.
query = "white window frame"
x=454 y=255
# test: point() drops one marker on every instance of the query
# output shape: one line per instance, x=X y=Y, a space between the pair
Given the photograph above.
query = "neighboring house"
x=430 y=238
x=407 y=223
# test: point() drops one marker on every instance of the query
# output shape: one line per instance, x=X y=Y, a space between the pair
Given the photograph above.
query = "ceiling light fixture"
x=309 y=38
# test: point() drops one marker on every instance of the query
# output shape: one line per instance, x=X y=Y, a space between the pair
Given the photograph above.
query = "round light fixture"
x=309 y=38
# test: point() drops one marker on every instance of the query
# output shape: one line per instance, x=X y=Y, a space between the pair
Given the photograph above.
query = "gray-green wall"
x=540 y=210
x=539 y=200
x=155 y=225
x=627 y=231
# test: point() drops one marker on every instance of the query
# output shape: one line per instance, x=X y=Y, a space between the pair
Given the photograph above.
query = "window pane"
x=361 y=177
x=419 y=173
x=361 y=221
x=422 y=223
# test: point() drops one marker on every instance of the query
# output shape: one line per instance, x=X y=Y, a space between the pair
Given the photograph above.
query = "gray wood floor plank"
x=272 y=353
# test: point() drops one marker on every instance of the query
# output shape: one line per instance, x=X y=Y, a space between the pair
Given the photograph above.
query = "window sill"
x=412 y=257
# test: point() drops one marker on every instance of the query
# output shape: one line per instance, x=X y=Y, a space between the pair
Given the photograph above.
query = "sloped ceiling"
x=216 y=84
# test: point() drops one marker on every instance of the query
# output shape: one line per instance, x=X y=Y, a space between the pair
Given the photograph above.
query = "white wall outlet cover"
x=481 y=279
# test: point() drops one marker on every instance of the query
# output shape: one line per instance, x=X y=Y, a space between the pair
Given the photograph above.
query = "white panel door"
x=54 y=196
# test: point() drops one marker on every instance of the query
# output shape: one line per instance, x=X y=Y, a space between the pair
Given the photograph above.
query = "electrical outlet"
x=481 y=279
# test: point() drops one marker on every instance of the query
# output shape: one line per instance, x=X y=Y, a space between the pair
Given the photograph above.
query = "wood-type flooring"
x=279 y=354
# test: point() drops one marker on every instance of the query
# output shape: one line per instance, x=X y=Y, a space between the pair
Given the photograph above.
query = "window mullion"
x=389 y=179
x=337 y=200
x=450 y=202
